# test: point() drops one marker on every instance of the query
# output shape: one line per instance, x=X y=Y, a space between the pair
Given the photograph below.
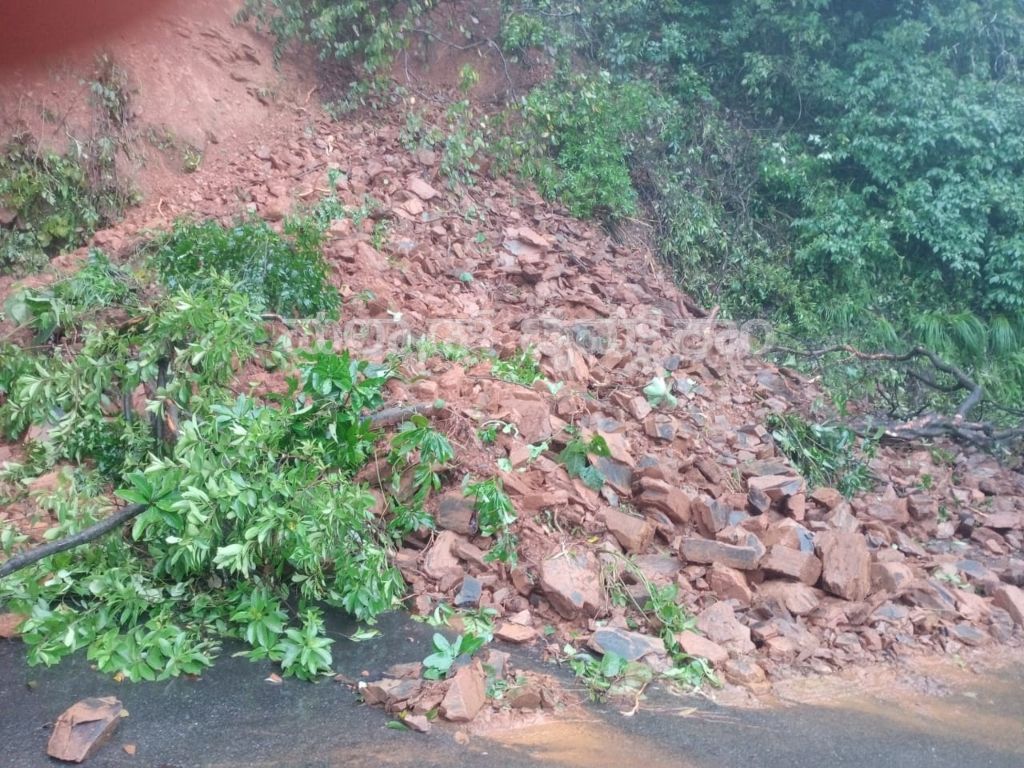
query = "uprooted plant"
x=257 y=499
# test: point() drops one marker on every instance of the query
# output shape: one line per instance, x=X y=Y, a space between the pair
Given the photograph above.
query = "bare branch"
x=980 y=434
x=391 y=416
x=93 y=532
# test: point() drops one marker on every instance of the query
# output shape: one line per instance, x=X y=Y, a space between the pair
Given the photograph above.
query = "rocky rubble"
x=475 y=690
x=783 y=578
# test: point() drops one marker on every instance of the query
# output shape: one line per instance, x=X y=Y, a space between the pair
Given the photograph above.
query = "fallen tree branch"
x=93 y=532
x=391 y=416
x=977 y=433
x=384 y=418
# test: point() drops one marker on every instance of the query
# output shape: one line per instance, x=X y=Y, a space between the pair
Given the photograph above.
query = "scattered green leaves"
x=438 y=664
x=576 y=458
x=659 y=392
x=495 y=515
x=825 y=455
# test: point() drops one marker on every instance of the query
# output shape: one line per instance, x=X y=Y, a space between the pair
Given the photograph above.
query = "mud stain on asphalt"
x=940 y=698
x=585 y=744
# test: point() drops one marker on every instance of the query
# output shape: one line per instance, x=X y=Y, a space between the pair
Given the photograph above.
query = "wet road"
x=232 y=717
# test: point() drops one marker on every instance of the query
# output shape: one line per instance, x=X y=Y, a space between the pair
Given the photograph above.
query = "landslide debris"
x=690 y=491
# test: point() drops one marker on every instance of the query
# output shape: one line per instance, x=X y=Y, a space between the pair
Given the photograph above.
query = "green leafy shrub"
x=256 y=498
x=576 y=458
x=438 y=664
x=49 y=203
x=423 y=453
x=575 y=141
x=495 y=515
x=182 y=350
x=854 y=172
x=283 y=273
x=68 y=302
x=362 y=35
x=521 y=367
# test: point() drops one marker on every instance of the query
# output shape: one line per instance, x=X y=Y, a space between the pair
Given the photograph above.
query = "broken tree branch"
x=977 y=433
x=93 y=532
x=385 y=418
x=391 y=416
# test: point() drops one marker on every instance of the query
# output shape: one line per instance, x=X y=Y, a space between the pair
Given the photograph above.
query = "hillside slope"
x=782 y=578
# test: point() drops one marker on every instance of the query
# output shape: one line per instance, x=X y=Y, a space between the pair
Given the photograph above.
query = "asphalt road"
x=232 y=717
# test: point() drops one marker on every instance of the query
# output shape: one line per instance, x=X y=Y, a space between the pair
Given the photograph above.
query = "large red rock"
x=83 y=728
x=420 y=188
x=845 y=564
x=1010 y=599
x=515 y=633
x=746 y=673
x=439 y=561
x=571 y=581
x=633 y=533
x=715 y=515
x=9 y=623
x=729 y=584
x=391 y=692
x=799 y=599
x=745 y=557
x=890 y=577
x=696 y=645
x=787 y=563
x=720 y=625
x=631 y=646
x=659 y=495
x=891 y=511
x=456 y=513
x=829 y=498
x=466 y=695
x=776 y=487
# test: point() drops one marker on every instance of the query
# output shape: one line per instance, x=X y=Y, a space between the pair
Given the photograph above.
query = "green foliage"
x=663 y=613
x=852 y=171
x=495 y=516
x=180 y=351
x=609 y=675
x=253 y=518
x=111 y=93
x=423 y=453
x=70 y=301
x=521 y=367
x=576 y=458
x=56 y=202
x=575 y=139
x=520 y=32
x=438 y=664
x=463 y=143
x=362 y=36
x=659 y=392
x=488 y=433
x=283 y=273
x=825 y=455
x=460 y=139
